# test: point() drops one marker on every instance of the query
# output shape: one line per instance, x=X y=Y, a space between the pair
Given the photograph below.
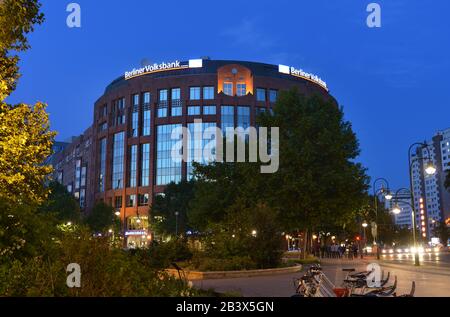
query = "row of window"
x=195 y=93
x=167 y=168
x=132 y=200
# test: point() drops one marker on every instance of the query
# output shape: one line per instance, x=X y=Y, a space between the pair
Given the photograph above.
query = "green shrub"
x=235 y=263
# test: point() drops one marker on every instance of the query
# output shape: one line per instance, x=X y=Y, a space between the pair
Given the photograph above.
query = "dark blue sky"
x=392 y=81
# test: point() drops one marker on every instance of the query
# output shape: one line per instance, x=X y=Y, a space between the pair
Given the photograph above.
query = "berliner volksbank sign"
x=302 y=74
x=154 y=68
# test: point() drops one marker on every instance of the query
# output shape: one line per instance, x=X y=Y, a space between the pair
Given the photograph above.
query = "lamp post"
x=388 y=195
x=176 y=223
x=430 y=169
x=364 y=225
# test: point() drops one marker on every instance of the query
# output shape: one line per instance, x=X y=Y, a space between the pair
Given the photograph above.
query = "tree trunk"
x=305 y=244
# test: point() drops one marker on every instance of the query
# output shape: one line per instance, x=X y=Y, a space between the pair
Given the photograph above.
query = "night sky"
x=392 y=81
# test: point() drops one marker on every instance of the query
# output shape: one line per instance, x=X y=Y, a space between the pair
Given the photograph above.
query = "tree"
x=102 y=218
x=318 y=183
x=61 y=204
x=17 y=19
x=442 y=231
x=25 y=139
x=163 y=211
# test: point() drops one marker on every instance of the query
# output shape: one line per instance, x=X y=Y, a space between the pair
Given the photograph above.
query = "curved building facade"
x=130 y=145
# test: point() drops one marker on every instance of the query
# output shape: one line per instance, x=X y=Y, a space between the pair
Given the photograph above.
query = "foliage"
x=318 y=183
x=442 y=231
x=162 y=255
x=17 y=19
x=23 y=231
x=234 y=263
x=102 y=218
x=25 y=143
x=176 y=198
x=61 y=204
x=105 y=271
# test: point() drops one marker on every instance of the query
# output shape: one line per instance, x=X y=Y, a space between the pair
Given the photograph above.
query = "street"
x=432 y=279
x=441 y=259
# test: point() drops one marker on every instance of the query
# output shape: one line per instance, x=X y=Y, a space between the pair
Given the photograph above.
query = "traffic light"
x=358 y=238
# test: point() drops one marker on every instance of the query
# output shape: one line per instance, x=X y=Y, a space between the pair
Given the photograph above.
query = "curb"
x=197 y=275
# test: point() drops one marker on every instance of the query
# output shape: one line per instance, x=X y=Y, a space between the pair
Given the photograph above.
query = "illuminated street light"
x=388 y=195
x=364 y=224
x=254 y=233
x=430 y=169
x=117 y=213
x=396 y=210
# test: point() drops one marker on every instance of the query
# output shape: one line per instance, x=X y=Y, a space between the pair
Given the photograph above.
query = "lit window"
x=241 y=89
x=167 y=169
x=228 y=88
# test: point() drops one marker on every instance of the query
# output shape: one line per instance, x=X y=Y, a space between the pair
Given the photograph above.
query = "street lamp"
x=396 y=210
x=176 y=223
x=388 y=195
x=430 y=170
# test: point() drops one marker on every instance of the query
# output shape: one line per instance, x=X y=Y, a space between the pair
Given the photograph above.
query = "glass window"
x=77 y=174
x=228 y=88
x=176 y=111
x=208 y=93
x=118 y=159
x=143 y=199
x=197 y=143
x=162 y=105
x=131 y=200
x=162 y=111
x=260 y=94
x=83 y=177
x=273 y=95
x=118 y=202
x=193 y=110
x=136 y=100
x=135 y=122
x=227 y=118
x=101 y=181
x=133 y=166
x=163 y=95
x=176 y=94
x=82 y=198
x=241 y=89
x=167 y=169
x=209 y=110
x=243 y=118
x=145 y=161
x=194 y=93
x=146 y=120
x=146 y=97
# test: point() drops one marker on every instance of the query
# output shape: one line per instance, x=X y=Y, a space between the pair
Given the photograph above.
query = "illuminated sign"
x=154 y=68
x=302 y=74
x=136 y=233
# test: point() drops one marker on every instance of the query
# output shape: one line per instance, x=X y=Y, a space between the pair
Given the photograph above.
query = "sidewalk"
x=430 y=281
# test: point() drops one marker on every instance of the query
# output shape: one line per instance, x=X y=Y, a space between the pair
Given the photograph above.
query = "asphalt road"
x=432 y=280
x=441 y=259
